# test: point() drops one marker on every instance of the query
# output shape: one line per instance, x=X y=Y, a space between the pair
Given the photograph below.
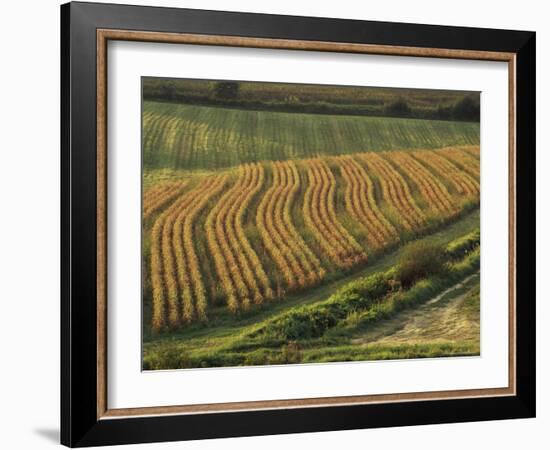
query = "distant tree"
x=168 y=90
x=443 y=112
x=226 y=90
x=398 y=108
x=292 y=100
x=467 y=108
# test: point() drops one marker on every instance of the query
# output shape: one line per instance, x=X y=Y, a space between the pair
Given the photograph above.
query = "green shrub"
x=420 y=260
x=467 y=108
x=399 y=108
x=227 y=90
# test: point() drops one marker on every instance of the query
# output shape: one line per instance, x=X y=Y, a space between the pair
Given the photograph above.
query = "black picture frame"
x=80 y=425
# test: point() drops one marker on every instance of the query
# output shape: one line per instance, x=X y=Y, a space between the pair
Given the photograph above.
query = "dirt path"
x=445 y=318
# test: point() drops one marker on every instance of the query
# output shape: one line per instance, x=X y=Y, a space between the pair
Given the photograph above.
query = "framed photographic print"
x=276 y=224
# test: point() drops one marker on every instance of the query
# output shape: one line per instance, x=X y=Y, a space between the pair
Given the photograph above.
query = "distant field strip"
x=472 y=150
x=256 y=232
x=201 y=137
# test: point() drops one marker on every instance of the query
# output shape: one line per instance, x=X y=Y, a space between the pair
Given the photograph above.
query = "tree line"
x=229 y=94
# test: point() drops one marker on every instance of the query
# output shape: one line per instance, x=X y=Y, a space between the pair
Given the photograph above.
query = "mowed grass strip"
x=201 y=137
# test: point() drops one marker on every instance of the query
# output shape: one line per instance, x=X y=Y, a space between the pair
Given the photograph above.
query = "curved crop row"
x=294 y=259
x=152 y=193
x=216 y=238
x=471 y=150
x=395 y=191
x=463 y=160
x=238 y=241
x=320 y=217
x=159 y=196
x=433 y=191
x=237 y=265
x=308 y=258
x=312 y=219
x=275 y=211
x=157 y=283
x=255 y=175
x=151 y=130
x=178 y=288
x=166 y=311
x=329 y=180
x=191 y=286
x=154 y=140
x=361 y=204
x=463 y=183
x=175 y=271
x=177 y=259
x=225 y=262
x=272 y=239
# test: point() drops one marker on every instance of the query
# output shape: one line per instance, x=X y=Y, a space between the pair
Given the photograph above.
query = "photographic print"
x=280 y=233
x=298 y=223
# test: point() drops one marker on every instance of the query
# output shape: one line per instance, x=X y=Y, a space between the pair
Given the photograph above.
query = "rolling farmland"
x=257 y=232
x=179 y=136
x=299 y=223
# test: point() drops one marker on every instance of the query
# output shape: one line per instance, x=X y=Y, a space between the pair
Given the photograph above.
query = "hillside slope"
x=200 y=137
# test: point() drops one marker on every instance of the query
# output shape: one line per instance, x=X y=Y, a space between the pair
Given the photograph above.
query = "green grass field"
x=200 y=137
